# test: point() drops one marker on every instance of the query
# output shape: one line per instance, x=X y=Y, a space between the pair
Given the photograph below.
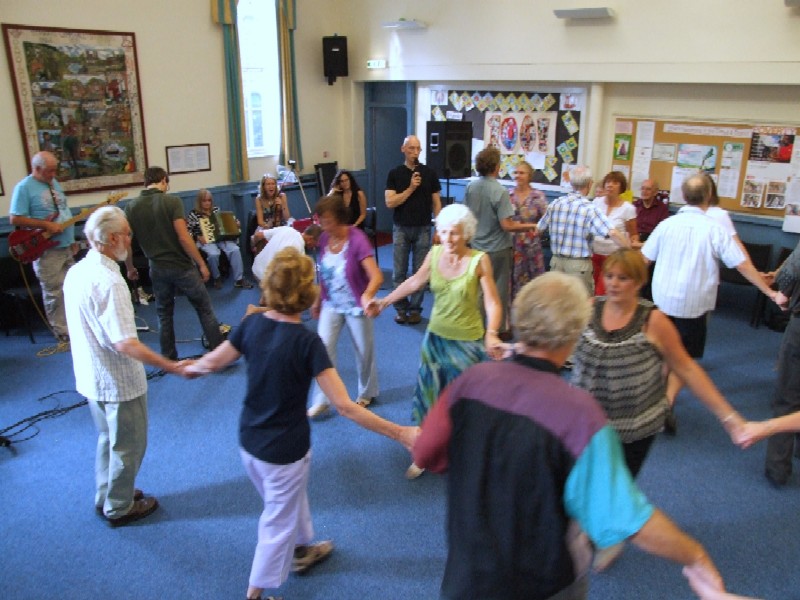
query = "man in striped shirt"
x=574 y=222
x=687 y=249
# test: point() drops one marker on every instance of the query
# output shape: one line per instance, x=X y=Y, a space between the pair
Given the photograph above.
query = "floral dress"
x=528 y=254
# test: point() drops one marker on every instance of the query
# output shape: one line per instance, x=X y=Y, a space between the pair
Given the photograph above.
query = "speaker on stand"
x=449 y=149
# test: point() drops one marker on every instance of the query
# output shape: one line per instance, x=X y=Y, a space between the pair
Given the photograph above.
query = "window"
x=258 y=49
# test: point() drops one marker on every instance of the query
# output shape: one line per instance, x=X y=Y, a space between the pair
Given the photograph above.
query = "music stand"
x=292 y=165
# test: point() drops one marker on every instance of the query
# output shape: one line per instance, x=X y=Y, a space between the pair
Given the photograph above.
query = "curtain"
x=224 y=13
x=290 y=126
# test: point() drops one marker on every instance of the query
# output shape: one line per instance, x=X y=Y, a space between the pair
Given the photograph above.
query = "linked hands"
x=183 y=368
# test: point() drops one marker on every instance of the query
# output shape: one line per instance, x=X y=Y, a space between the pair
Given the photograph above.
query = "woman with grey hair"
x=455 y=338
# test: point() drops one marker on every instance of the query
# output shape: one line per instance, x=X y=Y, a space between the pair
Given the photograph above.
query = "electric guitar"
x=26 y=245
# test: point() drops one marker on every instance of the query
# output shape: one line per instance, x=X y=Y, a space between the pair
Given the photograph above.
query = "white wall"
x=729 y=59
x=182 y=79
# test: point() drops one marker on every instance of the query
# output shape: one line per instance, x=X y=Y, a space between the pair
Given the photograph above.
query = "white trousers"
x=362 y=333
x=286 y=519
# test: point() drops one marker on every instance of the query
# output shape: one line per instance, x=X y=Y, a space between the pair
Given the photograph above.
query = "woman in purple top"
x=349 y=278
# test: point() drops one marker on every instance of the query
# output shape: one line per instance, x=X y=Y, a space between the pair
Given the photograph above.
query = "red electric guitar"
x=26 y=245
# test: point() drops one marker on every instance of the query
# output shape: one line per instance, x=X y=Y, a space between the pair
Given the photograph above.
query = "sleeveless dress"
x=454 y=339
x=624 y=371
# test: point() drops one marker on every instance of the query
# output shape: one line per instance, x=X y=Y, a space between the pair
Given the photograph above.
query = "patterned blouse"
x=624 y=371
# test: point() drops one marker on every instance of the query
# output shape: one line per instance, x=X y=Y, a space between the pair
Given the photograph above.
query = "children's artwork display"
x=542 y=128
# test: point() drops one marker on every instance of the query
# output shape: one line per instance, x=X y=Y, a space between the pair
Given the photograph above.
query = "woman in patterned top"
x=529 y=206
x=620 y=359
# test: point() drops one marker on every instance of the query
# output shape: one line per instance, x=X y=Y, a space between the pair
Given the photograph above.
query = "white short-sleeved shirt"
x=721 y=216
x=618 y=216
x=687 y=249
x=277 y=238
x=99 y=315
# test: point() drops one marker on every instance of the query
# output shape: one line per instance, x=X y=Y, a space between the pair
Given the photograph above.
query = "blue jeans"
x=414 y=242
x=166 y=283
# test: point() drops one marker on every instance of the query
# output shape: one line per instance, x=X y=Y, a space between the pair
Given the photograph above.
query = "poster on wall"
x=771 y=165
x=78 y=96
x=540 y=128
x=521 y=133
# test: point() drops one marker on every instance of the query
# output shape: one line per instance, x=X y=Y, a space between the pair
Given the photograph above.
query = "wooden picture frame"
x=78 y=96
x=188 y=158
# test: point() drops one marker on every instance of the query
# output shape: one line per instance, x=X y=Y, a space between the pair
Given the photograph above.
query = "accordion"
x=219 y=227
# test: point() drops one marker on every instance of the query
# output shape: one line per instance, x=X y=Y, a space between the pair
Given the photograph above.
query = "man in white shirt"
x=279 y=238
x=687 y=249
x=107 y=359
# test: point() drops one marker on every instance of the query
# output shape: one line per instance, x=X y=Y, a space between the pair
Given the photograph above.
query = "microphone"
x=416 y=165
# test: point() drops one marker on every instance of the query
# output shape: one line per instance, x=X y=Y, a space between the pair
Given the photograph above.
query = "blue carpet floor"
x=389 y=532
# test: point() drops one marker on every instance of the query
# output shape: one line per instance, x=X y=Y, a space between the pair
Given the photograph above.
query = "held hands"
x=183 y=368
x=374 y=307
x=133 y=274
x=752 y=432
x=704 y=579
x=416 y=181
x=495 y=347
x=781 y=300
x=408 y=436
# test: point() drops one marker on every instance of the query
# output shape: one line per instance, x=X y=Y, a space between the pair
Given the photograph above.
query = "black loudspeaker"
x=449 y=148
x=334 y=57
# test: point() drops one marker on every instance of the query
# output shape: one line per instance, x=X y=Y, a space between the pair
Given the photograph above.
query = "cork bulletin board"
x=756 y=167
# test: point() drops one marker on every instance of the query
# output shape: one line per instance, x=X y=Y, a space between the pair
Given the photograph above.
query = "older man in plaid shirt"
x=574 y=222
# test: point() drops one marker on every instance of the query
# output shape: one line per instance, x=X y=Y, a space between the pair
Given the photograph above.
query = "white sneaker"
x=413 y=471
x=306 y=557
x=318 y=410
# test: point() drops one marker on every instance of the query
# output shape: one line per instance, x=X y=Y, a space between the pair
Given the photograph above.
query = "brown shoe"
x=137 y=495
x=139 y=510
x=244 y=284
x=401 y=318
x=414 y=318
x=218 y=283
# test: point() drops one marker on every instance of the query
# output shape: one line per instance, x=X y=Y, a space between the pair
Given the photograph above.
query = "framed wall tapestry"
x=78 y=96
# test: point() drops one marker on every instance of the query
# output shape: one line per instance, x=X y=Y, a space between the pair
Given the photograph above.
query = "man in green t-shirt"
x=157 y=219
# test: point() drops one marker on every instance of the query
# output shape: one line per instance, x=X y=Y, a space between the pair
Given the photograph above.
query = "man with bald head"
x=39 y=202
x=412 y=190
x=650 y=210
x=687 y=249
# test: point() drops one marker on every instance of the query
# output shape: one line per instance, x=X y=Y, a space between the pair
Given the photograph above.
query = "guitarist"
x=39 y=202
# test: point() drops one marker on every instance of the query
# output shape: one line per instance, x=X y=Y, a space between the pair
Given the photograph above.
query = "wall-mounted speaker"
x=449 y=148
x=334 y=57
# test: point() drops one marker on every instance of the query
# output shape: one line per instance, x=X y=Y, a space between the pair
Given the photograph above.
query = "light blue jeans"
x=231 y=250
x=121 y=443
x=362 y=333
